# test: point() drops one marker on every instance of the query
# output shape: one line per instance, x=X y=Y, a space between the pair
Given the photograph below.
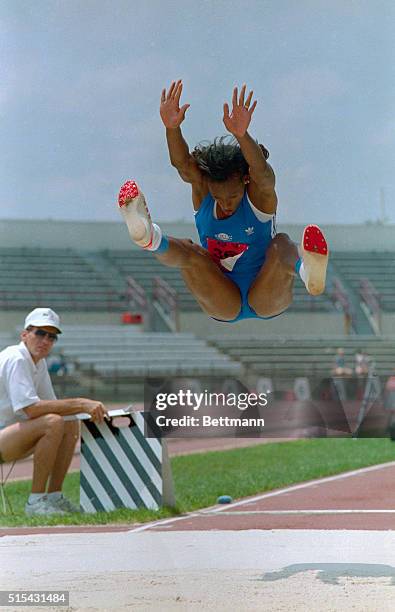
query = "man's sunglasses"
x=41 y=333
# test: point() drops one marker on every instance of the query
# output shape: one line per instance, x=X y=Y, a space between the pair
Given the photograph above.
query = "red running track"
x=362 y=499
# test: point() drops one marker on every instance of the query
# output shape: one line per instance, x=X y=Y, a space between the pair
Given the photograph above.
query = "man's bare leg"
x=64 y=456
x=41 y=436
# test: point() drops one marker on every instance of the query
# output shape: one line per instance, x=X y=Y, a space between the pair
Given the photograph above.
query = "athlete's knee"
x=228 y=313
x=279 y=242
x=269 y=304
x=271 y=309
x=282 y=238
x=282 y=251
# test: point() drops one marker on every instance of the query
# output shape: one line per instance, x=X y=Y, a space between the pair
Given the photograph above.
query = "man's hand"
x=237 y=123
x=171 y=113
x=97 y=410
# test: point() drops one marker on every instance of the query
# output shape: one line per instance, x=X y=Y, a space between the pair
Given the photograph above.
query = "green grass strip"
x=200 y=478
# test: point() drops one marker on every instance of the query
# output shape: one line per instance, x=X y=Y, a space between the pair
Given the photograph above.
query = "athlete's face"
x=39 y=344
x=228 y=194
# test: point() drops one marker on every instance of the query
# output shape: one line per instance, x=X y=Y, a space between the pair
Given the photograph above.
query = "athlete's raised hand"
x=171 y=113
x=238 y=121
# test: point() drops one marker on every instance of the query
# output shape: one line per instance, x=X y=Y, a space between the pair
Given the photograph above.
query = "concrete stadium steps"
x=114 y=351
x=143 y=267
x=303 y=355
x=379 y=268
x=62 y=277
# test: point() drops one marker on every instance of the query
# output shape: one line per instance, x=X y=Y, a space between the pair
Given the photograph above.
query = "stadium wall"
x=388 y=324
x=98 y=235
x=286 y=324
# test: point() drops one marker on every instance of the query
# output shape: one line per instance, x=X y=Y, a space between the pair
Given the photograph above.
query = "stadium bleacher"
x=61 y=277
x=305 y=355
x=377 y=267
x=115 y=351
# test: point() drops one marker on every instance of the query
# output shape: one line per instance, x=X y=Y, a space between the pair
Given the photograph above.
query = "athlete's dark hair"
x=222 y=159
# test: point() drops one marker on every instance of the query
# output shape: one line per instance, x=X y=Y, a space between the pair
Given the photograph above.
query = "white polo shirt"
x=22 y=383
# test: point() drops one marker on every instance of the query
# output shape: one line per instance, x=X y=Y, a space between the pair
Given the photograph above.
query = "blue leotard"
x=237 y=244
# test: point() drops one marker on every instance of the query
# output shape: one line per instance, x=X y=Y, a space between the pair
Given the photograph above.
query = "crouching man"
x=31 y=418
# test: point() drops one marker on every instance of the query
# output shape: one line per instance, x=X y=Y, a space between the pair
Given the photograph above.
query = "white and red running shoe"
x=314 y=253
x=132 y=204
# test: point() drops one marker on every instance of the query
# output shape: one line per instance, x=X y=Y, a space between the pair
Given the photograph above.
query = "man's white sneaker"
x=64 y=504
x=131 y=202
x=314 y=253
x=42 y=507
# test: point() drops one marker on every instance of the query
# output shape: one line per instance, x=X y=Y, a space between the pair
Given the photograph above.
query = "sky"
x=80 y=91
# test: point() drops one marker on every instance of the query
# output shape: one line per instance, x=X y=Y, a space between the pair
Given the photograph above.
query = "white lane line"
x=250 y=500
x=332 y=511
x=165 y=522
x=305 y=485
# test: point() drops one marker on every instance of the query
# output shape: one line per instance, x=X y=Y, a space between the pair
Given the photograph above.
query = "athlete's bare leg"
x=217 y=295
x=271 y=291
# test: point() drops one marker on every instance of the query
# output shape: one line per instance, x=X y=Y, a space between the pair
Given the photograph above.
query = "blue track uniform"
x=237 y=244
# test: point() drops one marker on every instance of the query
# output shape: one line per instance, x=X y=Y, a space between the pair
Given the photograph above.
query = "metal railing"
x=166 y=303
x=342 y=302
x=370 y=303
x=137 y=301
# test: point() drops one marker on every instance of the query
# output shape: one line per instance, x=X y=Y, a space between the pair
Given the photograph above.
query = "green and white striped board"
x=120 y=468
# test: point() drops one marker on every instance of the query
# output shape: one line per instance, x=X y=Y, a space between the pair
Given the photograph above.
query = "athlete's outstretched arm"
x=262 y=180
x=172 y=116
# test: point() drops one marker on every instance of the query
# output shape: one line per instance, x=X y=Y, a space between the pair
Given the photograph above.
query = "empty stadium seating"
x=378 y=267
x=60 y=277
x=126 y=353
x=304 y=355
x=115 y=351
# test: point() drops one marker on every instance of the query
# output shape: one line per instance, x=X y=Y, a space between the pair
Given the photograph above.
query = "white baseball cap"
x=43 y=317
